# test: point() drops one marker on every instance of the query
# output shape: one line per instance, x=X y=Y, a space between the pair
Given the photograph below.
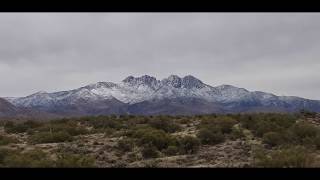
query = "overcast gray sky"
x=272 y=52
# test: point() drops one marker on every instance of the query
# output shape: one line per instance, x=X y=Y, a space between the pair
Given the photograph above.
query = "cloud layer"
x=273 y=52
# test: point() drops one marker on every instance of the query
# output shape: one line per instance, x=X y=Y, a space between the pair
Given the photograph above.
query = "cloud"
x=273 y=52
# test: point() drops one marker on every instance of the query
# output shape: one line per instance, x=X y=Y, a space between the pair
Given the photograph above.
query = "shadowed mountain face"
x=8 y=110
x=172 y=95
x=175 y=106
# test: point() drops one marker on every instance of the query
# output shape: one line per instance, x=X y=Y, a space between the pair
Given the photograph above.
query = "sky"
x=271 y=52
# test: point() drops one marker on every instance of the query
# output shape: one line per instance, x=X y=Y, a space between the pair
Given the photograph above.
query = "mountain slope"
x=8 y=110
x=172 y=95
x=175 y=106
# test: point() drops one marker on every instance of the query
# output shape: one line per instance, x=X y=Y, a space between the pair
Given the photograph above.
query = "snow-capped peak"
x=100 y=85
x=143 y=80
x=172 y=80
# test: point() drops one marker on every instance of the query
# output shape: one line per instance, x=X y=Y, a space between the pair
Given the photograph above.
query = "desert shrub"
x=189 y=145
x=77 y=131
x=125 y=145
x=135 y=120
x=149 y=151
x=303 y=130
x=224 y=123
x=171 y=150
x=105 y=122
x=262 y=123
x=185 y=120
x=33 y=158
x=3 y=154
x=71 y=127
x=307 y=113
x=165 y=124
x=21 y=127
x=236 y=133
x=11 y=127
x=210 y=136
x=274 y=138
x=303 y=133
x=47 y=137
x=4 y=140
x=68 y=160
x=316 y=142
x=297 y=156
x=265 y=127
x=250 y=121
x=155 y=137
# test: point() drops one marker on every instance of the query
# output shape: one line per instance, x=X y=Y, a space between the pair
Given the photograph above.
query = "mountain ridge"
x=132 y=93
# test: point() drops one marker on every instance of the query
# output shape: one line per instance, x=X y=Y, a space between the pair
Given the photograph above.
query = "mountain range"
x=146 y=95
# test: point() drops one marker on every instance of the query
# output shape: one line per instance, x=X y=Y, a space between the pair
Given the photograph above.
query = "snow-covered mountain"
x=172 y=95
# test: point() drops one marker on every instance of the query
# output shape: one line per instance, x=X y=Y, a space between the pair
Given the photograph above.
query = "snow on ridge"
x=132 y=90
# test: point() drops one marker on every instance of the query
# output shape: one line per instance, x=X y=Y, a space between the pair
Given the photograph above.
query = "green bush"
x=167 y=125
x=68 y=160
x=210 y=136
x=223 y=123
x=158 y=138
x=274 y=139
x=171 y=150
x=297 y=156
x=189 y=145
x=20 y=127
x=33 y=158
x=5 y=140
x=308 y=114
x=262 y=123
x=236 y=133
x=303 y=130
x=47 y=137
x=265 y=127
x=149 y=151
x=105 y=122
x=3 y=154
x=125 y=145
x=70 y=127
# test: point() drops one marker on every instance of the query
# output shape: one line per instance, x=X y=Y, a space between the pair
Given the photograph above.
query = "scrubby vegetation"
x=5 y=140
x=295 y=156
x=236 y=140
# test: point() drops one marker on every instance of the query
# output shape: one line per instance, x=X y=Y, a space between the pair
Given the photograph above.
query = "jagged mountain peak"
x=172 y=80
x=187 y=82
x=100 y=85
x=128 y=79
x=192 y=82
x=173 y=77
x=145 y=79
